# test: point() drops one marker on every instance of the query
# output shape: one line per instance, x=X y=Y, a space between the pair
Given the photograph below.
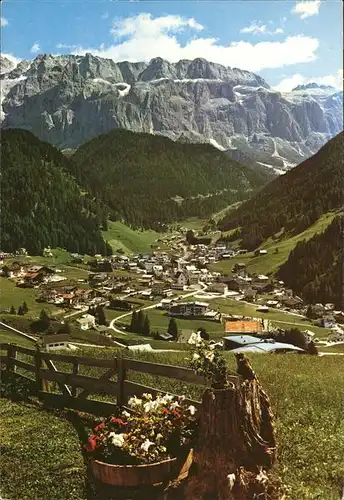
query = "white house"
x=55 y=342
x=181 y=278
x=218 y=288
x=189 y=309
x=86 y=322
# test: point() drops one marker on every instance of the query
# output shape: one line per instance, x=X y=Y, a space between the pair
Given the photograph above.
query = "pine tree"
x=140 y=322
x=100 y=316
x=20 y=311
x=6 y=271
x=309 y=312
x=146 y=327
x=25 y=308
x=173 y=328
x=44 y=320
x=134 y=322
x=12 y=310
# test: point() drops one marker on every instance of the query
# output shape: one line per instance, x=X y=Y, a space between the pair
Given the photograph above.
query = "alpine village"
x=171 y=279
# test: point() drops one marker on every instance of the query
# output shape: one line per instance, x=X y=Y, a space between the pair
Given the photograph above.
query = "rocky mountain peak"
x=6 y=65
x=68 y=99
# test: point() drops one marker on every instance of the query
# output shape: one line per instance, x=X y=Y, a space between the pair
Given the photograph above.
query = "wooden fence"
x=75 y=389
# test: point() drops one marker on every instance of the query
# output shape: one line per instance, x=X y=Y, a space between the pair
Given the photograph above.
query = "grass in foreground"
x=306 y=396
x=40 y=455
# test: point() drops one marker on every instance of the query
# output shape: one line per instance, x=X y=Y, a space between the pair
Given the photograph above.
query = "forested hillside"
x=149 y=180
x=294 y=201
x=41 y=203
x=314 y=267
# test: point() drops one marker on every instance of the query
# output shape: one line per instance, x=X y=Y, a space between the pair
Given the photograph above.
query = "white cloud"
x=141 y=38
x=35 y=48
x=66 y=46
x=3 y=22
x=306 y=8
x=144 y=26
x=288 y=84
x=260 y=29
x=105 y=15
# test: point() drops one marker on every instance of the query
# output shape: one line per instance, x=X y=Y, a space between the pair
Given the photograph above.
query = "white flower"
x=159 y=436
x=212 y=346
x=147 y=395
x=174 y=405
x=231 y=480
x=134 y=401
x=181 y=398
x=210 y=356
x=117 y=439
x=149 y=406
x=167 y=398
x=192 y=409
x=196 y=356
x=125 y=414
x=146 y=444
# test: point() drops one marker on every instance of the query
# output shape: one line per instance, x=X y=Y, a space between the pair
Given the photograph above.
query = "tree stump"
x=236 y=440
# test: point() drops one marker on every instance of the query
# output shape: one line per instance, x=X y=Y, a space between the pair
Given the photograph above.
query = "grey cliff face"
x=5 y=65
x=66 y=100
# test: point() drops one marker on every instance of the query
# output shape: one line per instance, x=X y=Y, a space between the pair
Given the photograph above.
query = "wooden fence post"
x=38 y=365
x=75 y=372
x=121 y=376
x=11 y=354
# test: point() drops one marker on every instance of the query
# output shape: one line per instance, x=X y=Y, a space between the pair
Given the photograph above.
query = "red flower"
x=165 y=410
x=99 y=427
x=115 y=420
x=92 y=444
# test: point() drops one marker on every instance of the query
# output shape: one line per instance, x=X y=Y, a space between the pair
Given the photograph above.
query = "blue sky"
x=286 y=42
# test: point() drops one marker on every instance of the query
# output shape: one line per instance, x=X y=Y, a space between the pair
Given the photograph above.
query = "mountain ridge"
x=124 y=169
x=295 y=200
x=67 y=100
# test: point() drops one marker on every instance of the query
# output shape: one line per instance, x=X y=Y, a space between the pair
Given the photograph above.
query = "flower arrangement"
x=155 y=429
x=208 y=361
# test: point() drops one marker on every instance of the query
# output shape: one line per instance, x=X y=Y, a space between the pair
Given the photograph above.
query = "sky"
x=287 y=42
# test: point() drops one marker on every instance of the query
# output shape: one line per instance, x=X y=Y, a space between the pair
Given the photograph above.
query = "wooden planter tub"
x=142 y=475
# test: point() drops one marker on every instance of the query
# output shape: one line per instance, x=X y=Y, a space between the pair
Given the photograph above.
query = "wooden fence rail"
x=76 y=388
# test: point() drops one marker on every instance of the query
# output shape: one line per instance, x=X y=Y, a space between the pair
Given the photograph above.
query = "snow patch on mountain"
x=216 y=145
x=277 y=171
x=123 y=89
